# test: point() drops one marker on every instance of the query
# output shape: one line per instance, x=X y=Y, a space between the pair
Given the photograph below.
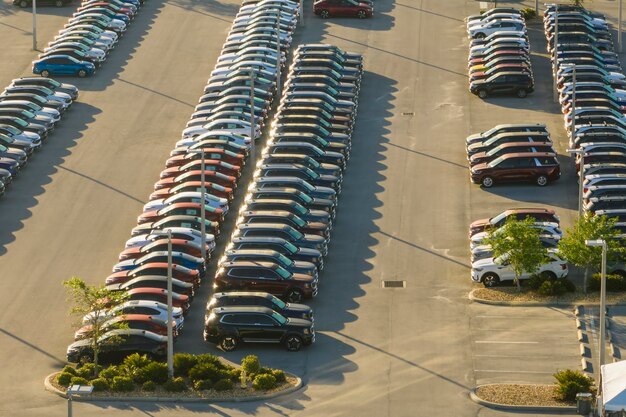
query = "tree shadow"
x=30 y=183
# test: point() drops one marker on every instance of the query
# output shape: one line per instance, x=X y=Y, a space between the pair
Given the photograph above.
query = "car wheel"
x=361 y=14
x=521 y=93
x=490 y=280
x=482 y=93
x=23 y=4
x=324 y=14
x=479 y=35
x=294 y=296
x=548 y=275
x=82 y=73
x=293 y=343
x=487 y=182
x=45 y=73
x=542 y=180
x=58 y=3
x=228 y=343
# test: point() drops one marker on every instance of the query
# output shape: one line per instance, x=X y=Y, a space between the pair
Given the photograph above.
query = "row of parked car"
x=30 y=108
x=512 y=153
x=283 y=230
x=499 y=56
x=86 y=40
x=214 y=146
x=592 y=90
x=490 y=270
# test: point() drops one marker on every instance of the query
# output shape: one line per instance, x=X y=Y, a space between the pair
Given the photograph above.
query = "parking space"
x=519 y=344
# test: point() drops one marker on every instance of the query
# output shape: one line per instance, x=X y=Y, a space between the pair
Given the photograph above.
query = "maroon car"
x=266 y=277
x=210 y=153
x=512 y=147
x=539 y=167
x=496 y=54
x=539 y=214
x=210 y=187
x=178 y=245
x=188 y=209
x=482 y=75
x=210 y=165
x=160 y=295
x=155 y=268
x=343 y=8
x=133 y=321
x=209 y=177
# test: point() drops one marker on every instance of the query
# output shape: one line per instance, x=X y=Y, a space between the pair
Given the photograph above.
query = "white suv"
x=492 y=271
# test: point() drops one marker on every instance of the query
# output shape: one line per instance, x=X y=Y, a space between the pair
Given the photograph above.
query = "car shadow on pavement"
x=21 y=196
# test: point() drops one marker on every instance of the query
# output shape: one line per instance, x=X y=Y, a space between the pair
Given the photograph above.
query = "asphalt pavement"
x=403 y=214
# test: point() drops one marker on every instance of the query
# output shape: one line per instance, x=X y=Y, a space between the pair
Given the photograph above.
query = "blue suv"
x=63 y=65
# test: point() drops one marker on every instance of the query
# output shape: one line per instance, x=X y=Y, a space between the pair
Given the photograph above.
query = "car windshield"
x=299 y=208
x=284 y=260
x=495 y=162
x=305 y=198
x=278 y=303
x=299 y=221
x=313 y=162
x=295 y=234
x=284 y=274
x=290 y=247
x=308 y=186
x=498 y=218
x=279 y=318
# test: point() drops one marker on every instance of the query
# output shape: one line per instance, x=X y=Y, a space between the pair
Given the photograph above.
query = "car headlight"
x=307 y=285
x=307 y=331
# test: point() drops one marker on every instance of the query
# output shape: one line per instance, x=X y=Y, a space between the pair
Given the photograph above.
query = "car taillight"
x=563 y=266
x=585 y=189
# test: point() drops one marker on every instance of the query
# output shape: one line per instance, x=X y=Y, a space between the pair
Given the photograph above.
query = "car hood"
x=483 y=263
x=80 y=344
x=479 y=223
x=299 y=323
x=479 y=167
x=299 y=308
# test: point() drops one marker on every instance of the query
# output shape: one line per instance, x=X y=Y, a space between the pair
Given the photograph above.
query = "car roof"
x=249 y=264
x=530 y=210
x=240 y=294
x=263 y=226
x=528 y=154
x=242 y=309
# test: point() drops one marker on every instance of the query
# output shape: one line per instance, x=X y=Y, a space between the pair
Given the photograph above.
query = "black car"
x=285 y=217
x=230 y=326
x=332 y=128
x=280 y=245
x=519 y=84
x=305 y=160
x=48 y=83
x=290 y=206
x=132 y=341
x=259 y=299
x=309 y=150
x=268 y=255
x=282 y=231
x=289 y=181
x=313 y=139
x=299 y=171
x=28 y=3
x=294 y=194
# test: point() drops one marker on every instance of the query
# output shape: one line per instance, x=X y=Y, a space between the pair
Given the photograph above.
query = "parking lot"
x=405 y=206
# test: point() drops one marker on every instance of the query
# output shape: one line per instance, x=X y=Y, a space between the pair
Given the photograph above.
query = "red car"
x=539 y=214
x=209 y=153
x=120 y=10
x=490 y=155
x=540 y=167
x=133 y=321
x=343 y=8
x=211 y=188
x=481 y=75
x=210 y=165
x=496 y=54
x=155 y=268
x=178 y=245
x=160 y=295
x=189 y=209
x=209 y=177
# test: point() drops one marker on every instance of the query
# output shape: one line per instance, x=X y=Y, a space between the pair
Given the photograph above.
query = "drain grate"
x=407 y=113
x=394 y=284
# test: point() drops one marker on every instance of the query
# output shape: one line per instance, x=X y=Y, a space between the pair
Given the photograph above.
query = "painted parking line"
x=505 y=342
x=496 y=371
x=524 y=356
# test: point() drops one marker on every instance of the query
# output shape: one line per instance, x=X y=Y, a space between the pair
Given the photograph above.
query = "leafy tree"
x=518 y=241
x=589 y=227
x=97 y=301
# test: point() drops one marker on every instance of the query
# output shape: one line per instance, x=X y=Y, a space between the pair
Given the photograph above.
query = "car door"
x=268 y=281
x=504 y=271
x=266 y=329
x=66 y=66
x=498 y=84
x=244 y=323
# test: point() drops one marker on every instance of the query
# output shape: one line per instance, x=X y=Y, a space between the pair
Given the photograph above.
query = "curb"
x=51 y=388
x=475 y=299
x=528 y=408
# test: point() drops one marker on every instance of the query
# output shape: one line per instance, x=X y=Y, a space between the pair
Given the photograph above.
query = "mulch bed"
x=527 y=295
x=522 y=394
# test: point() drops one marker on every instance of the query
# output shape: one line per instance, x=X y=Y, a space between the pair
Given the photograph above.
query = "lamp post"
x=619 y=29
x=301 y=4
x=202 y=202
x=555 y=94
x=252 y=121
x=601 y=243
x=35 y=25
x=581 y=176
x=76 y=389
x=278 y=53
x=170 y=318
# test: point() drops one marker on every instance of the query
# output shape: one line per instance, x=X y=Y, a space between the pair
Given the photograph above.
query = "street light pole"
x=278 y=53
x=581 y=176
x=34 y=25
x=619 y=28
x=170 y=330
x=555 y=95
x=301 y=4
x=252 y=121
x=537 y=7
x=202 y=203
x=601 y=243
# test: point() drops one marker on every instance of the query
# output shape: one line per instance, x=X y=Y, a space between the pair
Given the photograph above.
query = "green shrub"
x=570 y=383
x=264 y=370
x=69 y=369
x=132 y=365
x=148 y=386
x=203 y=384
x=100 y=384
x=614 y=283
x=122 y=384
x=569 y=285
x=87 y=370
x=79 y=380
x=204 y=371
x=251 y=364
x=535 y=281
x=264 y=382
x=528 y=13
x=207 y=358
x=552 y=288
x=279 y=375
x=110 y=372
x=223 y=385
x=155 y=371
x=183 y=362
x=235 y=375
x=64 y=379
x=175 y=385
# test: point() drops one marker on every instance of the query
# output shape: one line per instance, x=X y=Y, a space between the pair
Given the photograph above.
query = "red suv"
x=540 y=167
x=344 y=8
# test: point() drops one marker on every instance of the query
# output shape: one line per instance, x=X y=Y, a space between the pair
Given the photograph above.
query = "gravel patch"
x=522 y=394
x=526 y=295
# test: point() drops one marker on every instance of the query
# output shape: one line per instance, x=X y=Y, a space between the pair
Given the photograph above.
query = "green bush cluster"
x=122 y=384
x=79 y=380
x=614 y=283
x=87 y=370
x=550 y=287
x=264 y=382
x=100 y=384
x=251 y=364
x=570 y=383
x=203 y=384
x=69 y=369
x=148 y=386
x=64 y=379
x=528 y=13
x=176 y=384
x=223 y=385
x=279 y=375
x=183 y=362
x=110 y=372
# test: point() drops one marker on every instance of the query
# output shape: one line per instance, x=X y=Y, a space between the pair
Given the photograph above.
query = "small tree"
x=589 y=227
x=97 y=301
x=519 y=242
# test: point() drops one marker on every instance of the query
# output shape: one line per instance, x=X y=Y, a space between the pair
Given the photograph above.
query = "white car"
x=215 y=134
x=101 y=41
x=34 y=108
x=479 y=49
x=595 y=179
x=490 y=272
x=485 y=18
x=177 y=256
x=494 y=26
x=188 y=197
x=238 y=127
x=156 y=309
x=111 y=23
x=185 y=233
x=95 y=53
x=547 y=230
